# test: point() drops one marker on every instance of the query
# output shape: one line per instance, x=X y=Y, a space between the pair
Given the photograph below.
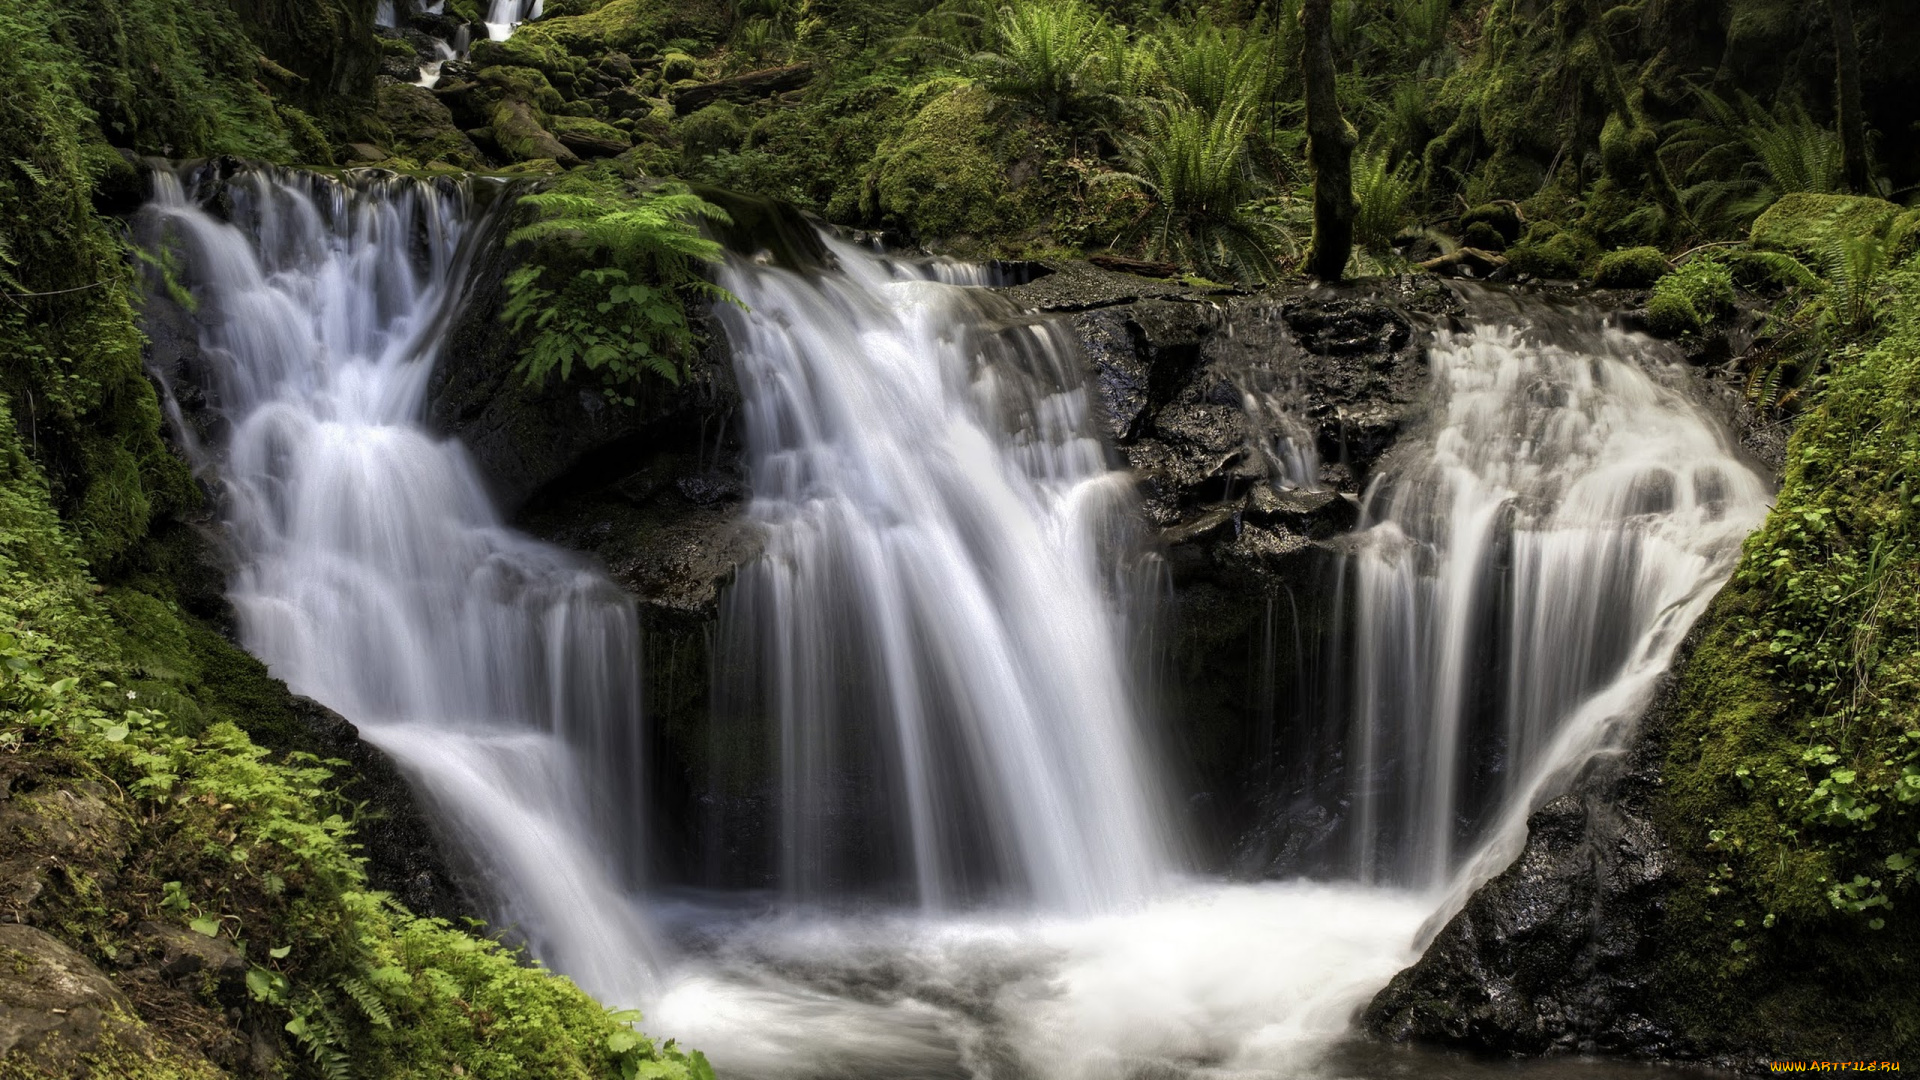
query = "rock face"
x=57 y=1009
x=1199 y=388
x=1558 y=953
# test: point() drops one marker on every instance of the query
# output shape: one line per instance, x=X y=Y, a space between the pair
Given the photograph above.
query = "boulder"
x=56 y=1009
x=518 y=131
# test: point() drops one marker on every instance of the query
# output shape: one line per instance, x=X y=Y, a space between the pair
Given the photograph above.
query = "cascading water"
x=936 y=637
x=930 y=630
x=374 y=574
x=1525 y=570
x=1522 y=574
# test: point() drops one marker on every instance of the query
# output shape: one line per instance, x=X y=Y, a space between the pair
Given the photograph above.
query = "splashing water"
x=375 y=575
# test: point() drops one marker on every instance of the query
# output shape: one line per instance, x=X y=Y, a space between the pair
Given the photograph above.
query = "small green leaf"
x=207 y=925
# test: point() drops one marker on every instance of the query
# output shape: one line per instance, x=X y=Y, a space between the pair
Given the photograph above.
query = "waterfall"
x=1523 y=571
x=504 y=15
x=931 y=631
x=375 y=575
x=936 y=642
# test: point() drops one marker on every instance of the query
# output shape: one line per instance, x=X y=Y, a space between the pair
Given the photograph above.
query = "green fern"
x=1381 y=192
x=1057 y=57
x=363 y=995
x=1213 y=68
x=1195 y=166
x=624 y=315
x=1740 y=158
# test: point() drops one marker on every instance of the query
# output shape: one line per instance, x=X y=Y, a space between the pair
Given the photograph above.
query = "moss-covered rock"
x=1632 y=268
x=712 y=130
x=421 y=128
x=945 y=173
x=1502 y=218
x=519 y=133
x=1551 y=252
x=1802 y=224
x=1689 y=298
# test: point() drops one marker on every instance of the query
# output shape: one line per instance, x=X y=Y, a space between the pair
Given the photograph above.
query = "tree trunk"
x=1853 y=121
x=1329 y=147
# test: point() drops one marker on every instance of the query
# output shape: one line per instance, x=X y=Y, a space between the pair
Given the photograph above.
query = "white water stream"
x=977 y=875
x=375 y=575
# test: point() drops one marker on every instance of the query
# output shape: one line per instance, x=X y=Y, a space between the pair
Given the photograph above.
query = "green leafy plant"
x=1381 y=192
x=1055 y=57
x=1194 y=165
x=608 y=285
x=1740 y=157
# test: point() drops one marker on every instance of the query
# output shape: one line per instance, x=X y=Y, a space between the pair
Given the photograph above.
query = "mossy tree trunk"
x=1853 y=124
x=1329 y=148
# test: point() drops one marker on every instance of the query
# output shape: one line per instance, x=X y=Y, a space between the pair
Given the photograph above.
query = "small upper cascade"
x=375 y=574
x=504 y=15
x=934 y=631
x=1522 y=575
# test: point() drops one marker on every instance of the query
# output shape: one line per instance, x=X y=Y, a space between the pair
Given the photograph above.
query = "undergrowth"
x=239 y=845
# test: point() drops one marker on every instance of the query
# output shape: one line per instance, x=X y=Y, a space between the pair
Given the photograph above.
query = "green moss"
x=676 y=66
x=1802 y=224
x=1633 y=268
x=1793 y=771
x=1689 y=298
x=712 y=130
x=1503 y=219
x=945 y=174
x=1552 y=253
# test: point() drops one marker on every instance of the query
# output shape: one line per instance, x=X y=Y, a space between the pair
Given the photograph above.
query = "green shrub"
x=1632 y=268
x=610 y=275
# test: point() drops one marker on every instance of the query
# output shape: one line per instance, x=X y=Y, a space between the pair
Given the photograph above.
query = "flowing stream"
x=977 y=872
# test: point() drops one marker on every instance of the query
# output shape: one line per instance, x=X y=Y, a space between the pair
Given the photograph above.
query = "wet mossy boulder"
x=421 y=128
x=946 y=173
x=1803 y=224
x=1687 y=300
x=1552 y=252
x=1495 y=225
x=1633 y=268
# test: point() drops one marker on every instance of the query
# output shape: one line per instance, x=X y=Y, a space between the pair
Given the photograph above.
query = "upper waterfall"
x=937 y=630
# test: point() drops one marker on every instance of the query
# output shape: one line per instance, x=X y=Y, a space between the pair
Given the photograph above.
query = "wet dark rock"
x=1173 y=370
x=1078 y=286
x=1561 y=952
